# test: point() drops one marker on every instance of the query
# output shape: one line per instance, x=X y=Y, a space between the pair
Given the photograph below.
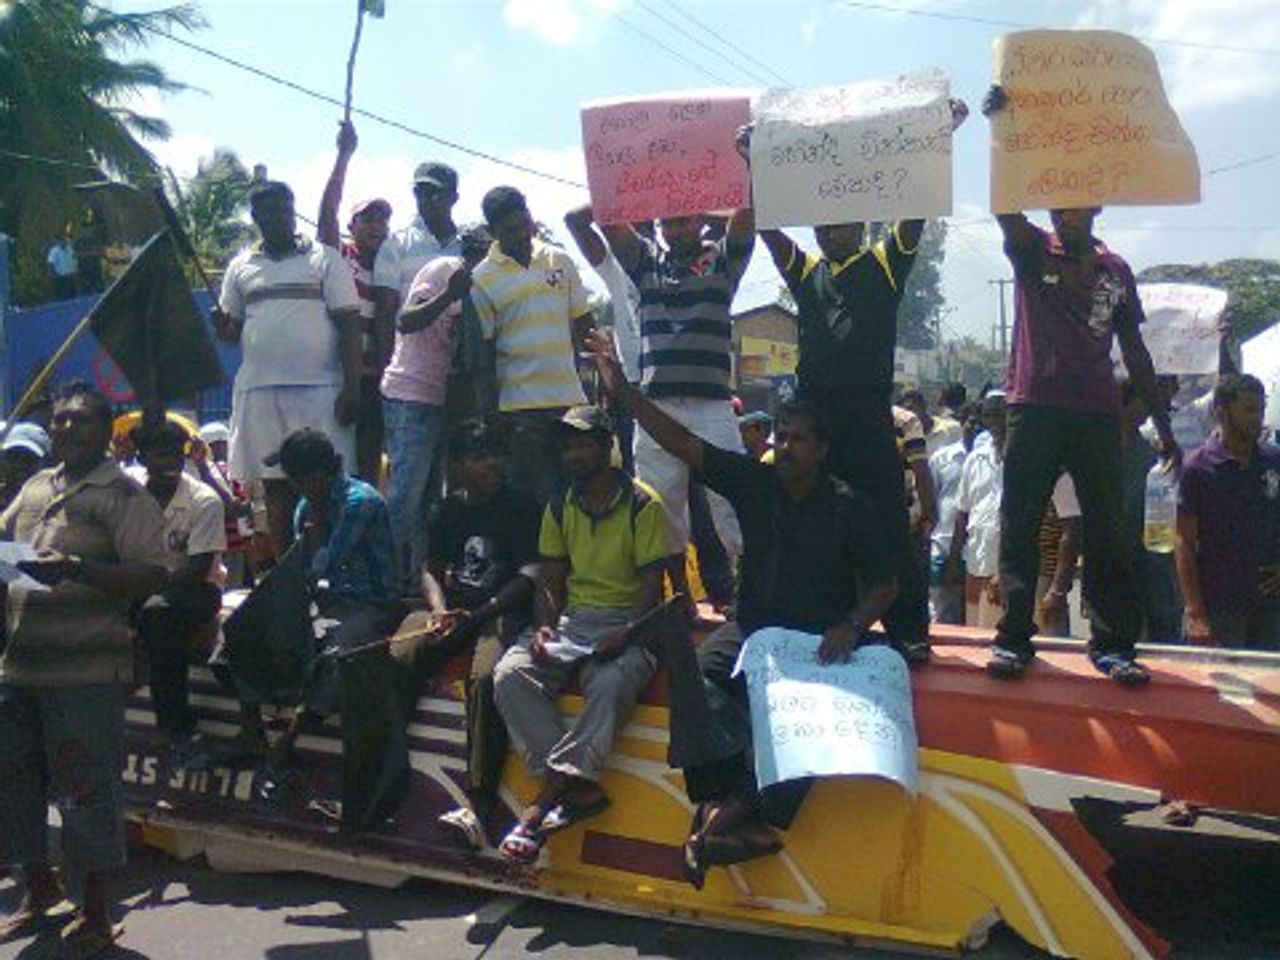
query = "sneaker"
x=917 y=653
x=1008 y=663
x=464 y=822
x=1120 y=667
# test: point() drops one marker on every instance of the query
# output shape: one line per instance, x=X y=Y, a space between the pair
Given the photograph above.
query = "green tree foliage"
x=1254 y=286
x=212 y=206
x=923 y=300
x=66 y=95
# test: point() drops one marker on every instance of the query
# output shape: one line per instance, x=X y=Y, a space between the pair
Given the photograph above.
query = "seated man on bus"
x=482 y=562
x=815 y=558
x=602 y=546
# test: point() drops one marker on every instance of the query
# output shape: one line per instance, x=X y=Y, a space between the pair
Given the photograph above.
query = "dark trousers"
x=1042 y=442
x=864 y=453
x=370 y=431
x=486 y=732
x=713 y=560
x=166 y=624
x=711 y=729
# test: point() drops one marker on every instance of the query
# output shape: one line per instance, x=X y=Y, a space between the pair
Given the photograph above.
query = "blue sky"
x=507 y=77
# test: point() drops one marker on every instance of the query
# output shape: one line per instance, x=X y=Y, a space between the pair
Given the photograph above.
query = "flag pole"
x=351 y=61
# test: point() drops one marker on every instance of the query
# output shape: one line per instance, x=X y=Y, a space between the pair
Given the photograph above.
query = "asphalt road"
x=186 y=911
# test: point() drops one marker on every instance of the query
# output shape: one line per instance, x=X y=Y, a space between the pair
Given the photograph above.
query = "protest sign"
x=1087 y=123
x=838 y=719
x=666 y=156
x=1260 y=356
x=876 y=150
x=1183 y=330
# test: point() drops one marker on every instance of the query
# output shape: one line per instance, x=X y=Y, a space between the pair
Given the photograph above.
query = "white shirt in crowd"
x=626 y=306
x=403 y=254
x=289 y=338
x=194 y=523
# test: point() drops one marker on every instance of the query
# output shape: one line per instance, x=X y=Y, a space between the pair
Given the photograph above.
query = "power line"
x=378 y=118
x=727 y=43
x=1242 y=163
x=678 y=28
x=1015 y=25
x=671 y=50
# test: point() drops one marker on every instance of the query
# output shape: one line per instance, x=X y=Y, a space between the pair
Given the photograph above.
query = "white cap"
x=214 y=432
x=27 y=436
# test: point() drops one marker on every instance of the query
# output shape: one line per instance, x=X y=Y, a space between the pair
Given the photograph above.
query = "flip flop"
x=522 y=845
x=34 y=924
x=85 y=946
x=695 y=871
x=566 y=814
x=464 y=822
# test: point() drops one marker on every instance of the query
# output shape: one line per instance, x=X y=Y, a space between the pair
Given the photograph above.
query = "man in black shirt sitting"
x=481 y=564
x=815 y=558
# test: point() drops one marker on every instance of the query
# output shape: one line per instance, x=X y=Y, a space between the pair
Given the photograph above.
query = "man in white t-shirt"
x=414 y=390
x=181 y=620
x=431 y=234
x=293 y=307
x=976 y=539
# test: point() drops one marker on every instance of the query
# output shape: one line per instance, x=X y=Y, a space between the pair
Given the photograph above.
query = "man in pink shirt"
x=414 y=385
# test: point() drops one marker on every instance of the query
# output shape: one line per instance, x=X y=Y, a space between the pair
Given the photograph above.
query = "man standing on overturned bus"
x=799 y=526
x=1072 y=298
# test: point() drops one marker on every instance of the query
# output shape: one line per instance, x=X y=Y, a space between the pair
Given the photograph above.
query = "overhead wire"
x=754 y=75
x=369 y=114
x=672 y=51
x=1016 y=25
x=685 y=12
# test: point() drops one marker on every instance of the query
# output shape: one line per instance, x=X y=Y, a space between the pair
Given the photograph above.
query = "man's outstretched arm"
x=670 y=435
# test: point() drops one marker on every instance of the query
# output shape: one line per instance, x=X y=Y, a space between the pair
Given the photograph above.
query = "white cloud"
x=557 y=22
x=1201 y=78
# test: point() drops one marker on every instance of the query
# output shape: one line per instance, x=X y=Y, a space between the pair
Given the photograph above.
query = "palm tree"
x=65 y=97
x=212 y=205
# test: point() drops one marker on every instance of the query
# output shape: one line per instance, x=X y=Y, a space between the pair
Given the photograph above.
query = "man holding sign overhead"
x=1072 y=296
x=847 y=298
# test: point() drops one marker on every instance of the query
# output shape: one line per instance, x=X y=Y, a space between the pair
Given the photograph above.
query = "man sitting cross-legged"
x=815 y=558
x=482 y=562
x=602 y=545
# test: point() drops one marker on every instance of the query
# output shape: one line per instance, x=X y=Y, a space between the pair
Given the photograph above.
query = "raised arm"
x=328 y=231
x=625 y=243
x=580 y=222
x=672 y=436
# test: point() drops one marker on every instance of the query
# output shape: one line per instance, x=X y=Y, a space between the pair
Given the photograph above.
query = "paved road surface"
x=180 y=911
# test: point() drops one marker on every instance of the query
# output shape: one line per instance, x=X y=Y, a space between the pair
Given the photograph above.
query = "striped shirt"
x=685 y=330
x=284 y=304
x=528 y=312
x=363 y=276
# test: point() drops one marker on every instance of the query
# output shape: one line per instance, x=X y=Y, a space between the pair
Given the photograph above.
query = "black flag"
x=153 y=330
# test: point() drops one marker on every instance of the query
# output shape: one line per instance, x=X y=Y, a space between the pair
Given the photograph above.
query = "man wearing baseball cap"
x=24 y=451
x=602 y=548
x=368 y=231
x=431 y=234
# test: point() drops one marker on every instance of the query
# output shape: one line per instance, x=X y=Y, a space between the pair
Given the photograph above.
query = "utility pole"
x=1004 y=317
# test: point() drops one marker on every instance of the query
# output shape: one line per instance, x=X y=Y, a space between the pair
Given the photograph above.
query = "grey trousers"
x=526 y=693
x=62 y=745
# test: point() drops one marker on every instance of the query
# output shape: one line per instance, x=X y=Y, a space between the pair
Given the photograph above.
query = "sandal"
x=1009 y=663
x=522 y=845
x=1121 y=668
x=695 y=871
x=19 y=925
x=566 y=814
x=82 y=942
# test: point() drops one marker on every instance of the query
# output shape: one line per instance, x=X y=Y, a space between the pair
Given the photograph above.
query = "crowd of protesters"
x=440 y=433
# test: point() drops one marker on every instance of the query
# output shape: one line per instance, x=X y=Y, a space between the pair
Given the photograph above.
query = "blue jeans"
x=414 y=434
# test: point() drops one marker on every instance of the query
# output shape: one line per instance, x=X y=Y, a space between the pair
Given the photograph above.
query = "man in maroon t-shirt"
x=1072 y=295
x=368 y=229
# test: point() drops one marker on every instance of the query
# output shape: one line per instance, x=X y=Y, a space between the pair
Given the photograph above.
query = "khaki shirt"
x=75 y=634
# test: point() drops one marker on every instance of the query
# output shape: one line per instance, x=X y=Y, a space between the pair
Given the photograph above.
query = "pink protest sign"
x=666 y=156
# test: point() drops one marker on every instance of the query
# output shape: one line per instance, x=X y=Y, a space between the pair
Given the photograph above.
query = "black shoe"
x=1009 y=663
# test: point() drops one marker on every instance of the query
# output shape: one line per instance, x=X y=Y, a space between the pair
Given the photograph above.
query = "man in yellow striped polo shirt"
x=531 y=303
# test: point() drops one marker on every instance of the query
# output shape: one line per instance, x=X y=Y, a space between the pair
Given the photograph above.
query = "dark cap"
x=437 y=175
x=586 y=419
x=756 y=416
